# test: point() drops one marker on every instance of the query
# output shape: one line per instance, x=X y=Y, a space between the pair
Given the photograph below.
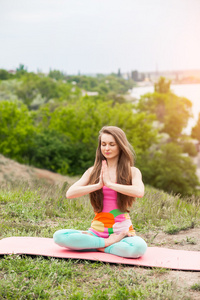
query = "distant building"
x=84 y=93
x=176 y=77
x=12 y=71
x=134 y=75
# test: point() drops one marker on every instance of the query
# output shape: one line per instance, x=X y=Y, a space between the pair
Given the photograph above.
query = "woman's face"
x=109 y=147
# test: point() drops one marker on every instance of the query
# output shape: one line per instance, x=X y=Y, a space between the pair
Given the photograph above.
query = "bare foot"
x=85 y=232
x=101 y=249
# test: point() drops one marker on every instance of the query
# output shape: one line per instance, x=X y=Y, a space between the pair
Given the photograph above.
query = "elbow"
x=140 y=193
x=69 y=195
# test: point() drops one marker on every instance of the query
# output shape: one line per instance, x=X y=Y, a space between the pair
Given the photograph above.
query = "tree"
x=187 y=146
x=47 y=88
x=16 y=129
x=81 y=121
x=178 y=112
x=27 y=90
x=50 y=150
x=58 y=75
x=196 y=130
x=162 y=86
x=116 y=98
x=4 y=75
x=169 y=170
x=103 y=84
x=21 y=70
x=170 y=110
x=8 y=89
x=33 y=85
x=119 y=73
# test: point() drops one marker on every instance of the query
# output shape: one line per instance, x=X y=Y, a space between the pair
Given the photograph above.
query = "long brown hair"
x=125 y=162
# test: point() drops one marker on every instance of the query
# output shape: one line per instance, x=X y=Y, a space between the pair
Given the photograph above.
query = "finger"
x=130 y=234
x=103 y=166
x=104 y=163
x=101 y=173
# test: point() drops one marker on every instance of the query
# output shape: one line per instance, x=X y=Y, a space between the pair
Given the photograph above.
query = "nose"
x=107 y=147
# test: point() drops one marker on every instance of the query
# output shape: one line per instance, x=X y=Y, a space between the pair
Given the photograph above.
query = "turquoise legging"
x=130 y=247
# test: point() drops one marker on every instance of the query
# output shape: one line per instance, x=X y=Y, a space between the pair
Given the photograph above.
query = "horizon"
x=38 y=70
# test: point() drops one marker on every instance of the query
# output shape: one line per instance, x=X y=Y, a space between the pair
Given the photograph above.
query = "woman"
x=113 y=183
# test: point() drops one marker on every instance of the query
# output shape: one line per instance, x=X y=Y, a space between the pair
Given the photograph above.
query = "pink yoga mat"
x=154 y=256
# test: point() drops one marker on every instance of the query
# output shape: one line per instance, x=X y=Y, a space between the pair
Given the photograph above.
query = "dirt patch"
x=11 y=171
x=184 y=240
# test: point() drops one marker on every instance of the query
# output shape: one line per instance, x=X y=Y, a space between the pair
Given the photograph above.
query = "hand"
x=106 y=177
x=101 y=179
x=115 y=238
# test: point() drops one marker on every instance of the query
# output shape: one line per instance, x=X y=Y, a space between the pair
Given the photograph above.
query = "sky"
x=100 y=36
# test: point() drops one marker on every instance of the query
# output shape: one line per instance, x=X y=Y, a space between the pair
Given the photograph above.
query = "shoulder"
x=84 y=180
x=135 y=172
x=137 y=178
x=88 y=172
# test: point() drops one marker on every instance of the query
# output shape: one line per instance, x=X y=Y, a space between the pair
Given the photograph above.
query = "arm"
x=81 y=187
x=134 y=190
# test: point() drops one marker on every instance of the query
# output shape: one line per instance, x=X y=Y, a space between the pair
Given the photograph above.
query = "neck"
x=112 y=163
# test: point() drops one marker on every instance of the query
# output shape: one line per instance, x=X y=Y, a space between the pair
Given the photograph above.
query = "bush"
x=169 y=170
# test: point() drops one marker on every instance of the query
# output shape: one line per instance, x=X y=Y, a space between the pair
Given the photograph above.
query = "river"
x=189 y=91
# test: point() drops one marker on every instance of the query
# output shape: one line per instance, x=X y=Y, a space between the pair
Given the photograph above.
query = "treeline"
x=45 y=121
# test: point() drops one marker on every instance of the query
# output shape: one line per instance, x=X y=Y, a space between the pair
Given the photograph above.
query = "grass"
x=196 y=287
x=167 y=212
x=39 y=278
x=40 y=209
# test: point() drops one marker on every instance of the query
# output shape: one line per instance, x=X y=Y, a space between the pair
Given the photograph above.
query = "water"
x=189 y=91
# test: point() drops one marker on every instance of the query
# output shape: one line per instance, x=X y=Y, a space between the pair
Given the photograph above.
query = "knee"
x=68 y=238
x=137 y=246
x=61 y=235
x=140 y=246
x=56 y=236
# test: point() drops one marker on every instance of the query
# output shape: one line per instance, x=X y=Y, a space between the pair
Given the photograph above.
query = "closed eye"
x=111 y=144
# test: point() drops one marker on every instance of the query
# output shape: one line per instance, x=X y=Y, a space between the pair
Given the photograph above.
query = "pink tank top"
x=111 y=219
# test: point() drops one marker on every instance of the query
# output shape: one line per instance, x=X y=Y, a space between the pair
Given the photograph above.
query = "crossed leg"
x=120 y=245
x=77 y=239
x=130 y=247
